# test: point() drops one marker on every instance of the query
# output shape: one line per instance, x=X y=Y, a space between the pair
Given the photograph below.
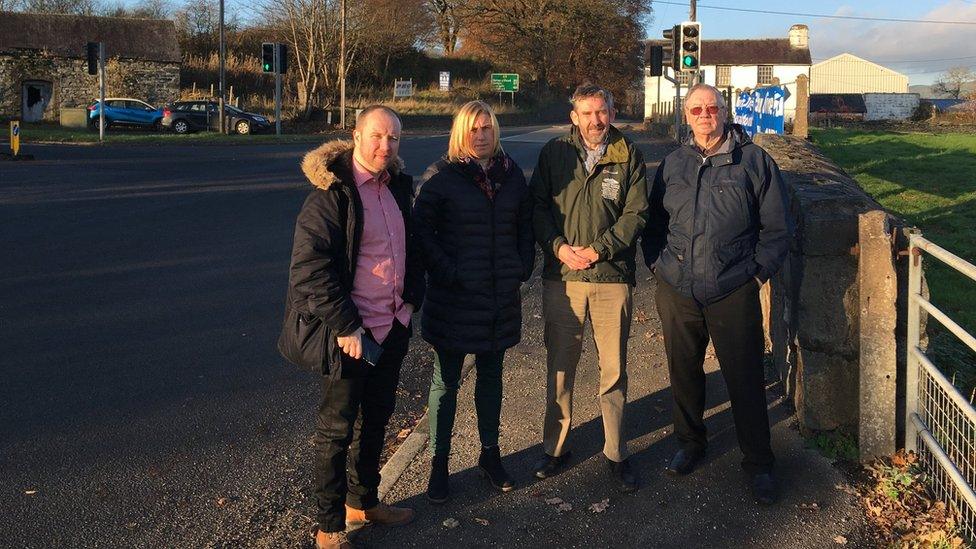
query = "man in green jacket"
x=590 y=193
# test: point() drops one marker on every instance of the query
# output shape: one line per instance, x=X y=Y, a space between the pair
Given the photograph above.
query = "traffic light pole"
x=277 y=69
x=101 y=92
x=222 y=73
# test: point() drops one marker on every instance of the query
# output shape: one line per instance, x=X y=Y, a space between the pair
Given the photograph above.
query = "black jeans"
x=357 y=402
x=735 y=327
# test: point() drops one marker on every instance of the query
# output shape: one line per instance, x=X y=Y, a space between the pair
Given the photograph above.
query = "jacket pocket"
x=306 y=341
x=670 y=263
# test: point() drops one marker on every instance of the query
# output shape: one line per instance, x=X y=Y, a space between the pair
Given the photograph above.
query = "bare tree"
x=560 y=43
x=74 y=7
x=144 y=9
x=448 y=18
x=952 y=81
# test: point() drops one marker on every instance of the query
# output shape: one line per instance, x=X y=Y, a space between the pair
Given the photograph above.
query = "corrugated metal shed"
x=846 y=73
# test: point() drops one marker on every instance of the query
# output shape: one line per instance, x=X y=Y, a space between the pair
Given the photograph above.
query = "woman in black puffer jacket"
x=473 y=220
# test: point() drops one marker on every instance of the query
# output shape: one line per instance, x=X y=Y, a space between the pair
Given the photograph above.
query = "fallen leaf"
x=840 y=540
x=554 y=501
x=30 y=492
x=481 y=521
x=222 y=501
x=451 y=523
x=404 y=433
x=600 y=506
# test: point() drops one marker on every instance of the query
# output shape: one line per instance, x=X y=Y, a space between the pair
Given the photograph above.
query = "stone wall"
x=153 y=82
x=812 y=304
x=890 y=106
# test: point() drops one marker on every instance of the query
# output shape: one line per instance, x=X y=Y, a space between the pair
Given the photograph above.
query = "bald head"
x=376 y=138
x=374 y=110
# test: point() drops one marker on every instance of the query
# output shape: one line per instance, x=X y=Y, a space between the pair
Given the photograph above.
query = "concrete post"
x=801 y=118
x=878 y=291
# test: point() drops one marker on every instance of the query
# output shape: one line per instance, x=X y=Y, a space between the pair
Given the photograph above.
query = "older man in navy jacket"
x=718 y=230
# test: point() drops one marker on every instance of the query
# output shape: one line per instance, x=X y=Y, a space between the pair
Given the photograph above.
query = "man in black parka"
x=718 y=230
x=354 y=277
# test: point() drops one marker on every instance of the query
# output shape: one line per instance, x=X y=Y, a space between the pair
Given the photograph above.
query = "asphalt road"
x=142 y=402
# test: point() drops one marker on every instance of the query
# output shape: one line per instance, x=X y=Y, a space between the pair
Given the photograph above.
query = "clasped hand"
x=577 y=258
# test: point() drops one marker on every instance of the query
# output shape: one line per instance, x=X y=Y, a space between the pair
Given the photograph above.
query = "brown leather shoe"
x=381 y=514
x=332 y=540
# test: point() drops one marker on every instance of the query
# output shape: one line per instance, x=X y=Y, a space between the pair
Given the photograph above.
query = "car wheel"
x=181 y=126
x=243 y=127
x=95 y=124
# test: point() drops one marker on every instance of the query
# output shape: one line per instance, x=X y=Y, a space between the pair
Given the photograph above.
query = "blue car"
x=123 y=111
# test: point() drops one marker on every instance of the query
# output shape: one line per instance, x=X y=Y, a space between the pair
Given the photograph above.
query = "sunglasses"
x=712 y=110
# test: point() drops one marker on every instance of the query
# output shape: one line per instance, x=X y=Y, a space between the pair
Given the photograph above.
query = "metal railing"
x=940 y=422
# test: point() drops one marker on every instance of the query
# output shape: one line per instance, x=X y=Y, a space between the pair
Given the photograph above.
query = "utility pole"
x=223 y=53
x=342 y=65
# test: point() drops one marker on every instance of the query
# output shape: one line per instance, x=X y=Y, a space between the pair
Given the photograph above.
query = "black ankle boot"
x=437 y=488
x=491 y=465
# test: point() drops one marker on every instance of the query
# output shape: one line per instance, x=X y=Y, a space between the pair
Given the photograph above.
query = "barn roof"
x=67 y=35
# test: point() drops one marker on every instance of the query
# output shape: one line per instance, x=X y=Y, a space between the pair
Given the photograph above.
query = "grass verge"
x=929 y=180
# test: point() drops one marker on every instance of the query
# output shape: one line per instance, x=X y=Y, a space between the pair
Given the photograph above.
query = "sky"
x=922 y=51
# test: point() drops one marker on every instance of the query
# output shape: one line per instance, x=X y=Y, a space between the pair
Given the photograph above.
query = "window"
x=765 y=75
x=723 y=76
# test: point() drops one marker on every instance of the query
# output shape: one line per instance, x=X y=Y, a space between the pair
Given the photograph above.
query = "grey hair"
x=715 y=91
x=586 y=91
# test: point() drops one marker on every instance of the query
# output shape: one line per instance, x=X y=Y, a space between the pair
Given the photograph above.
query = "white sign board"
x=445 y=81
x=403 y=88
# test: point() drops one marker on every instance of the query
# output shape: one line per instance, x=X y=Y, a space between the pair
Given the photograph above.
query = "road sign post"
x=445 y=81
x=505 y=82
x=402 y=88
x=15 y=137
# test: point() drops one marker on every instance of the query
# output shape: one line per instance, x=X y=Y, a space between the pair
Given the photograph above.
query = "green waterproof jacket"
x=606 y=209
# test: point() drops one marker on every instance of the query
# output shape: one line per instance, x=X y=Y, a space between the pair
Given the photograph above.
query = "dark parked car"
x=124 y=111
x=188 y=116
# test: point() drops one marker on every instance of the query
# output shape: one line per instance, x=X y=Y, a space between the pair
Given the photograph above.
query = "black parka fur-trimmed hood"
x=319 y=164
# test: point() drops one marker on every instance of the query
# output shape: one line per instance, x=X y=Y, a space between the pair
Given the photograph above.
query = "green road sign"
x=504 y=82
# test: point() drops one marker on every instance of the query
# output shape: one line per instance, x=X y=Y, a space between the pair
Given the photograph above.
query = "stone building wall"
x=154 y=82
x=812 y=305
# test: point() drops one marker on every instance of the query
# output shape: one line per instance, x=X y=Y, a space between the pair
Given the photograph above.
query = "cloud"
x=896 y=45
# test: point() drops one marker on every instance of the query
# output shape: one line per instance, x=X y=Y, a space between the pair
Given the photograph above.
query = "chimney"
x=799 y=36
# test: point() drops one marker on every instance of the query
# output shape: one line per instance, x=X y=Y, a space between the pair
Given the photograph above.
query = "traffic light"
x=655 y=59
x=690 y=48
x=267 y=57
x=282 y=58
x=92 y=57
x=671 y=49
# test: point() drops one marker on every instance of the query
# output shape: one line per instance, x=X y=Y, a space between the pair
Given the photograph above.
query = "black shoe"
x=550 y=466
x=684 y=461
x=623 y=475
x=764 y=489
x=438 y=488
x=490 y=462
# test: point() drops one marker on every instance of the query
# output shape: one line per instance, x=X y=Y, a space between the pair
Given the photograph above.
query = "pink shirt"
x=378 y=281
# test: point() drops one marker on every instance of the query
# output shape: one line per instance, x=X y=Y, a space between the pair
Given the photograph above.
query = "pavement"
x=712 y=507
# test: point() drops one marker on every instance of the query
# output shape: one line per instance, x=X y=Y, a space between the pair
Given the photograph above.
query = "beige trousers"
x=565 y=306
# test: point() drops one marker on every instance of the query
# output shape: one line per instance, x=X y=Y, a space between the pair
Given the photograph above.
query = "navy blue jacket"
x=476 y=252
x=717 y=222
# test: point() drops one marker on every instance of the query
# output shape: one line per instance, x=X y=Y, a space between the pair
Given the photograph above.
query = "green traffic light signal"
x=688 y=61
x=267 y=67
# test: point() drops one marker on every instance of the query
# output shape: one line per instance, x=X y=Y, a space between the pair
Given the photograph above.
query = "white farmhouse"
x=736 y=65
